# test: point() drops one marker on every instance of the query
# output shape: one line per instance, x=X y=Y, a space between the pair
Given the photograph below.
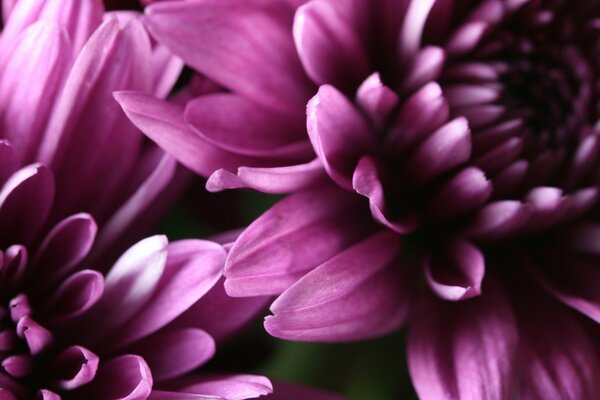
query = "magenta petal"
x=499 y=219
x=423 y=112
x=65 y=246
x=226 y=387
x=289 y=391
x=163 y=122
x=457 y=272
x=30 y=80
x=240 y=126
x=358 y=294
x=446 y=148
x=558 y=355
x=376 y=99
x=366 y=182
x=75 y=295
x=79 y=361
x=220 y=41
x=463 y=350
x=328 y=44
x=9 y=161
x=173 y=353
x=220 y=315
x=192 y=268
x=38 y=338
x=410 y=36
x=167 y=69
x=126 y=377
x=129 y=285
x=268 y=180
x=426 y=67
x=25 y=202
x=313 y=225
x=338 y=133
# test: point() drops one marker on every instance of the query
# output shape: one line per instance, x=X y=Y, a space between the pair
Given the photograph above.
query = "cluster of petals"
x=77 y=182
x=442 y=160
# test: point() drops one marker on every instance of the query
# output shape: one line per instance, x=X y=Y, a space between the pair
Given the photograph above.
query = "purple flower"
x=459 y=142
x=59 y=65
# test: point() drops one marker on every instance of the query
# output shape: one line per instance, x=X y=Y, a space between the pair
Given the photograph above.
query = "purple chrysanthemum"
x=459 y=141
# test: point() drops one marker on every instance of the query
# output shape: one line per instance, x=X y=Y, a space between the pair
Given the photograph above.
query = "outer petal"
x=463 y=350
x=128 y=286
x=268 y=180
x=329 y=45
x=220 y=40
x=193 y=267
x=29 y=83
x=226 y=387
x=25 y=202
x=163 y=122
x=297 y=234
x=125 y=377
x=242 y=127
x=338 y=133
x=360 y=293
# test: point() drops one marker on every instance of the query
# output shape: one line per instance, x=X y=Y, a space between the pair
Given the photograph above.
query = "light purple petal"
x=163 y=122
x=297 y=234
x=269 y=180
x=192 y=268
x=463 y=350
x=245 y=45
x=25 y=202
x=360 y=293
x=456 y=272
x=329 y=43
x=242 y=127
x=226 y=387
x=173 y=353
x=339 y=133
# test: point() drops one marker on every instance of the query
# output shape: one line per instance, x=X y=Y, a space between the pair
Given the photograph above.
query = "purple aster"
x=448 y=142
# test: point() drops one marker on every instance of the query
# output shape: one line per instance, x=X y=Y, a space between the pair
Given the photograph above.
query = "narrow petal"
x=31 y=80
x=297 y=234
x=75 y=296
x=456 y=272
x=128 y=286
x=275 y=180
x=360 y=293
x=499 y=219
x=163 y=123
x=175 y=352
x=193 y=267
x=226 y=387
x=25 y=202
x=65 y=246
x=219 y=40
x=329 y=44
x=126 y=377
x=81 y=364
x=242 y=127
x=376 y=99
x=339 y=133
x=463 y=350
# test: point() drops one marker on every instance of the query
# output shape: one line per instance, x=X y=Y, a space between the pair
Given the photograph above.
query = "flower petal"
x=297 y=234
x=126 y=377
x=463 y=350
x=360 y=293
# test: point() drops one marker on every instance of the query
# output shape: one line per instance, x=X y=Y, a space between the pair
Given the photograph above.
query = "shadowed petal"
x=358 y=294
x=297 y=234
x=463 y=350
x=125 y=377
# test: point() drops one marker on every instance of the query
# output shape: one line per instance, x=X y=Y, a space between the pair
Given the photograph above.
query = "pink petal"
x=499 y=219
x=220 y=41
x=360 y=293
x=463 y=350
x=329 y=44
x=192 y=268
x=31 y=80
x=289 y=391
x=9 y=161
x=173 y=353
x=81 y=364
x=126 y=377
x=297 y=234
x=240 y=126
x=25 y=202
x=338 y=133
x=163 y=122
x=75 y=296
x=65 y=246
x=268 y=180
x=376 y=99
x=128 y=286
x=226 y=387
x=366 y=181
x=456 y=272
